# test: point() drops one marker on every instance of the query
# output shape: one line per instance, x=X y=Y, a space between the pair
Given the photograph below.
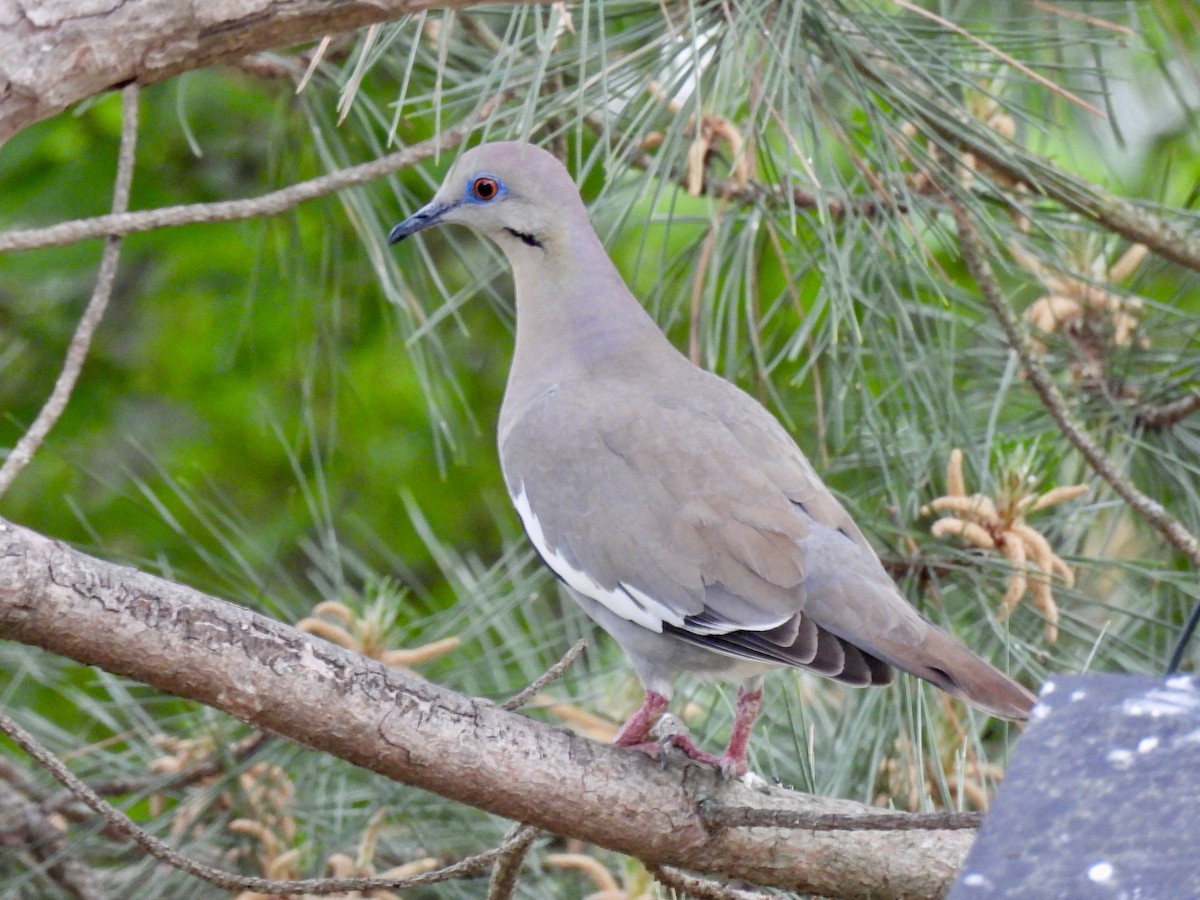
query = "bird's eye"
x=485 y=189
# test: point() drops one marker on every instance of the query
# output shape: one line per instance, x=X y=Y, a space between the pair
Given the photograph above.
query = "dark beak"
x=427 y=215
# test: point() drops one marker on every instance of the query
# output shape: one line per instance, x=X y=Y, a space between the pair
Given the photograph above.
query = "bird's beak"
x=429 y=214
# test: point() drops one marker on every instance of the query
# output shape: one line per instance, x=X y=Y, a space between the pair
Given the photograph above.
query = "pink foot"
x=732 y=763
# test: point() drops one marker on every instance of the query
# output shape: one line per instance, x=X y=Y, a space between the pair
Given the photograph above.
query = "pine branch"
x=1056 y=405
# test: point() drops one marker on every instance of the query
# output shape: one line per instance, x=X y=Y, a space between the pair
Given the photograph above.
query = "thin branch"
x=65 y=802
x=520 y=838
x=717 y=816
x=269 y=204
x=1164 y=415
x=507 y=870
x=1056 y=405
x=701 y=889
x=161 y=851
x=1120 y=216
x=837 y=208
x=550 y=676
x=81 y=341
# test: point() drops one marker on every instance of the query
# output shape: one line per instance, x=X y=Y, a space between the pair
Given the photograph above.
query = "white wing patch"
x=625 y=600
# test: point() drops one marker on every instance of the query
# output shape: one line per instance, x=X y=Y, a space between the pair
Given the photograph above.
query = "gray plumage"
x=682 y=516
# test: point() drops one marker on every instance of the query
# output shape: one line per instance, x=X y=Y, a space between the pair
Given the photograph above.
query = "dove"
x=679 y=513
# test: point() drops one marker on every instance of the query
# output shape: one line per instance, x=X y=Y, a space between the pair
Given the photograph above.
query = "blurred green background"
x=283 y=411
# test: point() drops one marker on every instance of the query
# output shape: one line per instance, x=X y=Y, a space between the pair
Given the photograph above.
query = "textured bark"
x=333 y=700
x=57 y=52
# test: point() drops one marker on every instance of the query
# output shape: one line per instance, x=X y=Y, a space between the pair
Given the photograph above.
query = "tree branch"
x=187 y=643
x=900 y=85
x=507 y=870
x=1176 y=533
x=269 y=204
x=52 y=54
x=1164 y=415
x=81 y=340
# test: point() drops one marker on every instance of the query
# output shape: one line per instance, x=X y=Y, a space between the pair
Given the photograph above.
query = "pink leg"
x=749 y=702
x=637 y=727
x=732 y=762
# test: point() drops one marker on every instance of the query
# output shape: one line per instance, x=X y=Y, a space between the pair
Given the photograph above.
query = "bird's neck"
x=576 y=318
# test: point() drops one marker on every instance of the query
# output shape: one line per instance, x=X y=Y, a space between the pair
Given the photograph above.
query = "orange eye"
x=485 y=189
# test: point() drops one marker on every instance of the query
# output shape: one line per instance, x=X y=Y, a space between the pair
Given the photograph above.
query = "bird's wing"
x=683 y=512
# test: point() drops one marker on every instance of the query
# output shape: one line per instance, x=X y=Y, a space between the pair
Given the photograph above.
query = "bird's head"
x=517 y=194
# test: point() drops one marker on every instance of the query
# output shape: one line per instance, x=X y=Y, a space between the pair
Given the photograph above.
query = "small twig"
x=837 y=208
x=122 y=824
x=691 y=886
x=507 y=869
x=66 y=803
x=1056 y=405
x=1094 y=21
x=269 y=204
x=716 y=815
x=81 y=341
x=1164 y=415
x=548 y=677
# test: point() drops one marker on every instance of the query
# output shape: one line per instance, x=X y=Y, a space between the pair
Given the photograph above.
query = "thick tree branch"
x=54 y=53
x=328 y=698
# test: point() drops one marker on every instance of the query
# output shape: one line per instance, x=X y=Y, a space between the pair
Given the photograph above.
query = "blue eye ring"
x=484 y=188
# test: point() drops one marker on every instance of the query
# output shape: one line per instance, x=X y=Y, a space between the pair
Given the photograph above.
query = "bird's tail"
x=945 y=662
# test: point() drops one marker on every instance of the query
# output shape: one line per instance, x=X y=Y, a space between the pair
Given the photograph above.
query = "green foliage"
x=286 y=411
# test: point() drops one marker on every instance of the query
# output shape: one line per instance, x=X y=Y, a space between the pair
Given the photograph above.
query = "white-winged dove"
x=680 y=514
